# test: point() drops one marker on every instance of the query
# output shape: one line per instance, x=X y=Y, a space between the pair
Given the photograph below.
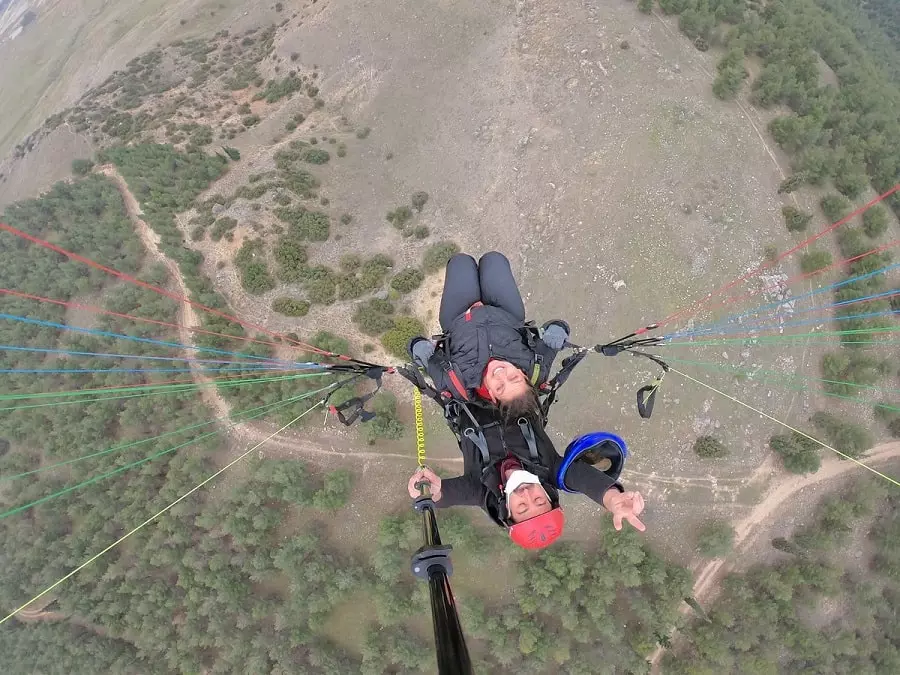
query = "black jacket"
x=480 y=485
x=481 y=334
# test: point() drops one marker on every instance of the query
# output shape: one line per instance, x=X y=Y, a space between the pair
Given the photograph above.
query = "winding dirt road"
x=708 y=576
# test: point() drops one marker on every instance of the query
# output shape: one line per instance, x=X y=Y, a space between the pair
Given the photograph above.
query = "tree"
x=790 y=183
x=875 y=221
x=646 y=6
x=316 y=156
x=385 y=424
x=374 y=316
x=835 y=207
x=798 y=453
x=710 y=448
x=407 y=280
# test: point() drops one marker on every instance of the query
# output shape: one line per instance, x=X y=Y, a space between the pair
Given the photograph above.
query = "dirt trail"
x=187 y=317
x=707 y=579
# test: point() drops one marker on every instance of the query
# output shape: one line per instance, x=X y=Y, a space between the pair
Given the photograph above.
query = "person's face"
x=528 y=501
x=504 y=381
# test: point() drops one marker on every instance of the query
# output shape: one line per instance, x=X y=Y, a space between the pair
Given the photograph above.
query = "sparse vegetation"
x=709 y=447
x=316 y=156
x=419 y=199
x=363 y=133
x=304 y=224
x=82 y=167
x=835 y=207
x=849 y=437
x=374 y=317
x=290 y=306
x=400 y=216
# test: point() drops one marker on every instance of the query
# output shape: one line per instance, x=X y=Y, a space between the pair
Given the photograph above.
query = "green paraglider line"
x=783 y=338
x=95 y=479
x=182 y=386
x=178 y=389
x=735 y=369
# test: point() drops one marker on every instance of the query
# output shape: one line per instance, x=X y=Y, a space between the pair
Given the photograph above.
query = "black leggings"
x=489 y=281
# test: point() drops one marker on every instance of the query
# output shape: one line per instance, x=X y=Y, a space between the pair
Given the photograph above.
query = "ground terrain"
x=583 y=141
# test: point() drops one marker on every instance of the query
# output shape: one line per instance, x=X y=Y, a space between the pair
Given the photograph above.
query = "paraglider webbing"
x=450 y=642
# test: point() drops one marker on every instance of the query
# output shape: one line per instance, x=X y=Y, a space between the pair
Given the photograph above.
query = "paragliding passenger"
x=489 y=369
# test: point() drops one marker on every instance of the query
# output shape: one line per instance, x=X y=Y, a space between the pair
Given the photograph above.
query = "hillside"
x=275 y=184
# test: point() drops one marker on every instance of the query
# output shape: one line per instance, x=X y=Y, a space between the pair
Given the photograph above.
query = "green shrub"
x=350 y=287
x=646 y=6
x=374 y=316
x=82 y=167
x=290 y=126
x=835 y=207
x=395 y=340
x=813 y=261
x=438 y=255
x=420 y=232
x=386 y=424
x=290 y=306
x=250 y=120
x=305 y=225
x=842 y=369
x=794 y=219
x=848 y=437
x=852 y=242
x=255 y=278
x=798 y=453
x=321 y=291
x=715 y=539
x=316 y=156
x=363 y=133
x=875 y=221
x=790 y=183
x=407 y=280
x=710 y=448
x=374 y=270
x=419 y=199
x=222 y=227
x=330 y=342
x=233 y=153
x=400 y=216
x=291 y=257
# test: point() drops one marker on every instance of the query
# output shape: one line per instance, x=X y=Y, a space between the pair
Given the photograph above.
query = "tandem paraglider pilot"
x=489 y=371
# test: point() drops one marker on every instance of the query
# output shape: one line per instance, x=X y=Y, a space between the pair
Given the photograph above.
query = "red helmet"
x=540 y=531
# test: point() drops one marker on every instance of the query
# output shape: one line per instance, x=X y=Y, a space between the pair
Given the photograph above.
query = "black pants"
x=489 y=281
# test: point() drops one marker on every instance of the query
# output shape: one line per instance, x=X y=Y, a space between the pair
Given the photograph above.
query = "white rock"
x=619 y=285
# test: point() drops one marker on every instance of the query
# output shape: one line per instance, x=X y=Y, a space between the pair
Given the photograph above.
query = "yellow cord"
x=153 y=517
x=420 y=427
x=788 y=426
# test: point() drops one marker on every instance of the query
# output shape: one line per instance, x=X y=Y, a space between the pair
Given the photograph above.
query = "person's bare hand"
x=425 y=475
x=625 y=506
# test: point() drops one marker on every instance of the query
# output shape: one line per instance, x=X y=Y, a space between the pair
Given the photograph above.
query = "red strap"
x=460 y=389
x=469 y=311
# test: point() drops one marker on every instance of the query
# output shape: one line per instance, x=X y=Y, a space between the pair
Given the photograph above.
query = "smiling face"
x=504 y=381
x=527 y=501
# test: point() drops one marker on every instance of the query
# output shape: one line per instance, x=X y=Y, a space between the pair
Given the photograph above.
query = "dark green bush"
x=255 y=278
x=291 y=257
x=710 y=448
x=419 y=199
x=374 y=270
x=875 y=221
x=250 y=120
x=350 y=262
x=305 y=225
x=798 y=453
x=794 y=219
x=233 y=153
x=420 y=232
x=407 y=280
x=438 y=255
x=316 y=156
x=400 y=216
x=386 y=424
x=290 y=306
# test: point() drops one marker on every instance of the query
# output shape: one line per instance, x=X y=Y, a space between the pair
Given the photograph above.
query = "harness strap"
x=476 y=435
x=357 y=403
x=528 y=433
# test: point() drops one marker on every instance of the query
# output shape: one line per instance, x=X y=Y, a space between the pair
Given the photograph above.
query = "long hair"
x=528 y=405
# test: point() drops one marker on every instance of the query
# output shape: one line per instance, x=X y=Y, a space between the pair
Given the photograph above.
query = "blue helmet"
x=601 y=444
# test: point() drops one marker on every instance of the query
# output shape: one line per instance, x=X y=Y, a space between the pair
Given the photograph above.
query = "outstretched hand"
x=425 y=475
x=625 y=506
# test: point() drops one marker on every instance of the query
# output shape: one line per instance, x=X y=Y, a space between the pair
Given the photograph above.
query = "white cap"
x=517 y=478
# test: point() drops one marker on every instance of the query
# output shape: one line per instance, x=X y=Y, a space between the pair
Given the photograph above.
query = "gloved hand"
x=555 y=336
x=421 y=350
